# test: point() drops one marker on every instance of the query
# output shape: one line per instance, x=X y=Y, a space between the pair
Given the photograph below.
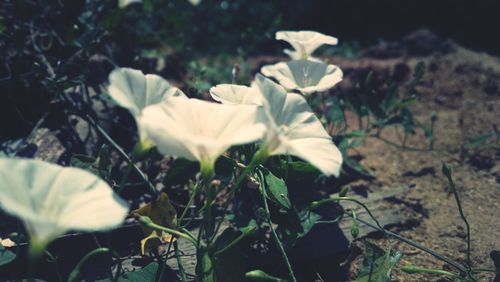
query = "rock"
x=422 y=42
x=385 y=50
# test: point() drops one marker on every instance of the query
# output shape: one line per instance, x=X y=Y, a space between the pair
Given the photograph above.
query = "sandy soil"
x=462 y=87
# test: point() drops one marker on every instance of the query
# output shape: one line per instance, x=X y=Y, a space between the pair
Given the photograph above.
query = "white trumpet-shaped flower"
x=195 y=2
x=292 y=127
x=124 y=3
x=133 y=90
x=304 y=42
x=51 y=200
x=304 y=76
x=232 y=94
x=201 y=131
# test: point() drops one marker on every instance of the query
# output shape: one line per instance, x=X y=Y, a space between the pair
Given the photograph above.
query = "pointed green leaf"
x=259 y=275
x=229 y=264
x=6 y=256
x=148 y=273
x=378 y=264
x=276 y=189
x=335 y=113
x=479 y=139
x=351 y=165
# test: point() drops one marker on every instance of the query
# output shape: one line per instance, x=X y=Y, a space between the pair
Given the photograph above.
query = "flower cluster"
x=282 y=122
x=304 y=73
x=51 y=199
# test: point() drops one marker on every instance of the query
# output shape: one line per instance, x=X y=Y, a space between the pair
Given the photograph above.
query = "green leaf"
x=100 y=166
x=378 y=264
x=354 y=225
x=276 y=189
x=259 y=275
x=495 y=256
x=104 y=159
x=180 y=172
x=206 y=267
x=84 y=162
x=356 y=104
x=418 y=72
x=299 y=169
x=479 y=139
x=6 y=256
x=335 y=113
x=298 y=225
x=222 y=263
x=355 y=143
x=390 y=100
x=147 y=274
x=343 y=191
x=351 y=166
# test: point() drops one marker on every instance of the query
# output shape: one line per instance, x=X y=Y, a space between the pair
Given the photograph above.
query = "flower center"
x=284 y=129
x=306 y=80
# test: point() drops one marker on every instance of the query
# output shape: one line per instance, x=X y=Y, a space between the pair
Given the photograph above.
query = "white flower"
x=305 y=42
x=124 y=3
x=52 y=199
x=292 y=127
x=296 y=55
x=232 y=94
x=200 y=130
x=194 y=2
x=304 y=75
x=134 y=91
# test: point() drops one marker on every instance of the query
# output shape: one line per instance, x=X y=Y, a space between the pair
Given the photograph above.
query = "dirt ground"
x=463 y=88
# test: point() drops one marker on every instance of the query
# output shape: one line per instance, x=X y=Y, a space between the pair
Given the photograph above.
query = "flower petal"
x=294 y=129
x=319 y=152
x=232 y=94
x=305 y=76
x=273 y=94
x=44 y=196
x=127 y=86
x=200 y=130
x=134 y=91
x=305 y=42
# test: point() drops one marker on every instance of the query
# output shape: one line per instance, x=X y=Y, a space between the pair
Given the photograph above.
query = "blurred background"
x=47 y=46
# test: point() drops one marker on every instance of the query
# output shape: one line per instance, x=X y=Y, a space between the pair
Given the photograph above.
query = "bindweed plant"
x=241 y=159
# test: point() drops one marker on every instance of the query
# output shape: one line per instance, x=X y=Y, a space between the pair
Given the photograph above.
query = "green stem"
x=126 y=175
x=483 y=270
x=146 y=221
x=275 y=236
x=196 y=190
x=389 y=142
x=316 y=204
x=75 y=274
x=35 y=251
x=378 y=227
x=259 y=157
x=447 y=172
x=235 y=241
x=449 y=261
x=122 y=153
x=179 y=263
x=414 y=269
x=207 y=228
